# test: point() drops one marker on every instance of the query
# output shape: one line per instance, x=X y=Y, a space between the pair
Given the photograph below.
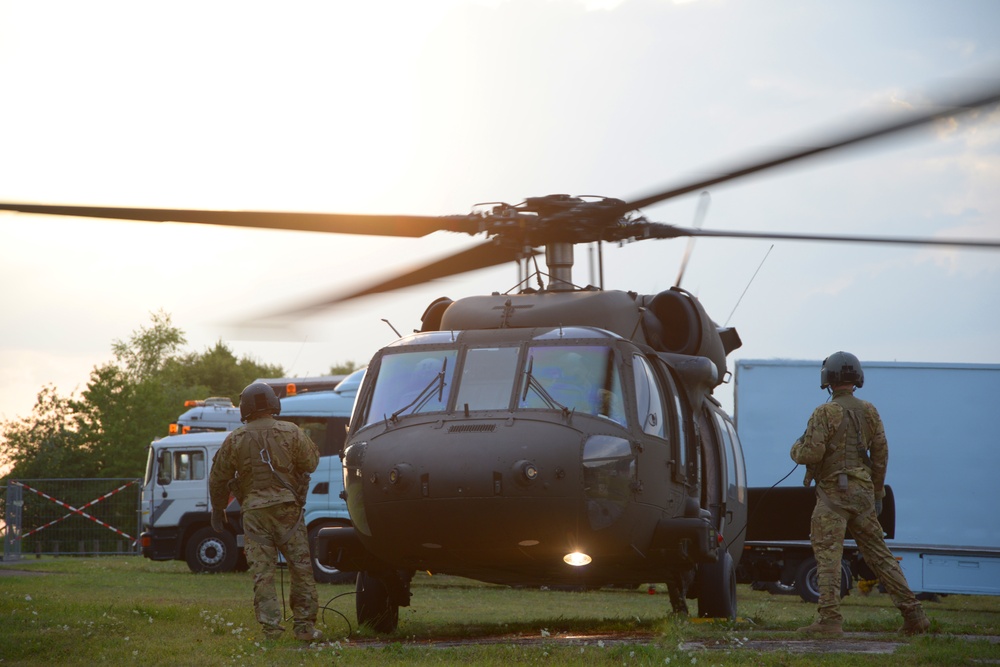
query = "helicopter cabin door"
x=728 y=500
x=736 y=485
x=662 y=413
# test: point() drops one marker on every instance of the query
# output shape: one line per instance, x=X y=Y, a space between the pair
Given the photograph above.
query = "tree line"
x=127 y=403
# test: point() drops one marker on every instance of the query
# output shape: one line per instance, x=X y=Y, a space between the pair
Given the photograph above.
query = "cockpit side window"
x=649 y=399
x=411 y=383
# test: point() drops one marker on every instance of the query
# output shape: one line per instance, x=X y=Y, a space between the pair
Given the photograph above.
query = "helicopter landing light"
x=577 y=559
x=527 y=543
x=525 y=471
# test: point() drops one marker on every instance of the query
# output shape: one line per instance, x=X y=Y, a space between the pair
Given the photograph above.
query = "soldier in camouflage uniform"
x=845 y=451
x=266 y=465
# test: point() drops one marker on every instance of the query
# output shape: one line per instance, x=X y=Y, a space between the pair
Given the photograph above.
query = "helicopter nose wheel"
x=379 y=597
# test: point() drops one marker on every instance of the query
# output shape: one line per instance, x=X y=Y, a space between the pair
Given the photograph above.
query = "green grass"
x=118 y=610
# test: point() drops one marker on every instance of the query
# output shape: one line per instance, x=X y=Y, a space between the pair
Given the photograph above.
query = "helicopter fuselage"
x=531 y=456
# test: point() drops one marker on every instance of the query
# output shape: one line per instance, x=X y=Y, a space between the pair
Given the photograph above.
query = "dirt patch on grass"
x=851 y=642
x=12 y=572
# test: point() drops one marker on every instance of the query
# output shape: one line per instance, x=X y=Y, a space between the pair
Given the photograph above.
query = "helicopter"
x=553 y=434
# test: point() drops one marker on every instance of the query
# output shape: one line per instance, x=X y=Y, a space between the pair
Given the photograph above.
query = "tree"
x=217 y=372
x=344 y=368
x=47 y=440
x=149 y=349
x=127 y=403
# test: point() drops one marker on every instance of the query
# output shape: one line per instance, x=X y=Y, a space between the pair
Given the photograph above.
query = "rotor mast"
x=559 y=259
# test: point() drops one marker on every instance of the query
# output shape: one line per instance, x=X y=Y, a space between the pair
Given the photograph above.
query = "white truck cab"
x=175 y=499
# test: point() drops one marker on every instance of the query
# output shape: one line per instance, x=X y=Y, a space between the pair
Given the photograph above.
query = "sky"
x=432 y=107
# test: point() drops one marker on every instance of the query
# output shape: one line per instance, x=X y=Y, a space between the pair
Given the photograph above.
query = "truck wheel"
x=209 y=551
x=321 y=573
x=717 y=588
x=807 y=584
x=374 y=608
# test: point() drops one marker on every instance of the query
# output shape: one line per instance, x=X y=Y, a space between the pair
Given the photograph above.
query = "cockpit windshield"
x=580 y=379
x=410 y=383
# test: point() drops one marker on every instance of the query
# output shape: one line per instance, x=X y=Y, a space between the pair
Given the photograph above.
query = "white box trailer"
x=944 y=454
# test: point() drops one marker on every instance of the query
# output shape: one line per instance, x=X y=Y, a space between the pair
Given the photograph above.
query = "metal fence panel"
x=71 y=517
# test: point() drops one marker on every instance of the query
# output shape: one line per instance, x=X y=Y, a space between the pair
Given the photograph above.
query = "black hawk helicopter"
x=550 y=435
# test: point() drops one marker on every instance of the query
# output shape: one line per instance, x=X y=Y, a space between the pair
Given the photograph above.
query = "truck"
x=944 y=451
x=175 y=499
x=217 y=413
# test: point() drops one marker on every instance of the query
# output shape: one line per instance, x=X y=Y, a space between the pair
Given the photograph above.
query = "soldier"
x=845 y=450
x=266 y=465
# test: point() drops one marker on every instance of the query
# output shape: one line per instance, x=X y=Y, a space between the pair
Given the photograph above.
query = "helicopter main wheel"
x=374 y=605
x=807 y=580
x=717 y=588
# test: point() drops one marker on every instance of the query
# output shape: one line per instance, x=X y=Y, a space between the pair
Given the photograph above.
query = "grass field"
x=127 y=610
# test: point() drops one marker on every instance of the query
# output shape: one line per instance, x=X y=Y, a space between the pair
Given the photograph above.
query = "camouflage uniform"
x=272 y=513
x=849 y=468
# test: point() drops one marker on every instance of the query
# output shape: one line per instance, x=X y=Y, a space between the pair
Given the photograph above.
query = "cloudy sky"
x=431 y=107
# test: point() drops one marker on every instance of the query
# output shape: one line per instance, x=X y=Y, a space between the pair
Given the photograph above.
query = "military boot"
x=915 y=623
x=272 y=631
x=822 y=627
x=308 y=634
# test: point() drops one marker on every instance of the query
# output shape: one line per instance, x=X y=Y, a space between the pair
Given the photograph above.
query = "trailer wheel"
x=373 y=604
x=807 y=584
x=777 y=588
x=717 y=588
x=209 y=551
x=322 y=573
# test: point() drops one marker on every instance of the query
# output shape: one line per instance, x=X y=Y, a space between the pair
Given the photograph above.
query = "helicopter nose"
x=500 y=483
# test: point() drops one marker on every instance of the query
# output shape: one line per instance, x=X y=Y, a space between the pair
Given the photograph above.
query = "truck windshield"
x=150 y=465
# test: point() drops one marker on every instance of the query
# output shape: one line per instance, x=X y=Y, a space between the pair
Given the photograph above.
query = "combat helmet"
x=841 y=368
x=258 y=399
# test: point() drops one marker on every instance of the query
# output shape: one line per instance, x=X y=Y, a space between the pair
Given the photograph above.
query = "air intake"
x=472 y=428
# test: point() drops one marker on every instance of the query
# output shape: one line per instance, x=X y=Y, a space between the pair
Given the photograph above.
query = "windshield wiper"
x=426 y=393
x=532 y=383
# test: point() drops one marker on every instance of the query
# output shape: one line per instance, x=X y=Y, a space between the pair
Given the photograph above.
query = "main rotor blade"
x=377 y=225
x=882 y=129
x=699 y=220
x=477 y=257
x=669 y=232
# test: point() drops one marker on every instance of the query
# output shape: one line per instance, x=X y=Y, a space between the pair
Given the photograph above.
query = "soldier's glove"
x=878 y=506
x=219 y=520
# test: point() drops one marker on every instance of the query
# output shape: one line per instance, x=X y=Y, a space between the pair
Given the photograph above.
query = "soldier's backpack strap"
x=288 y=534
x=842 y=513
x=265 y=466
